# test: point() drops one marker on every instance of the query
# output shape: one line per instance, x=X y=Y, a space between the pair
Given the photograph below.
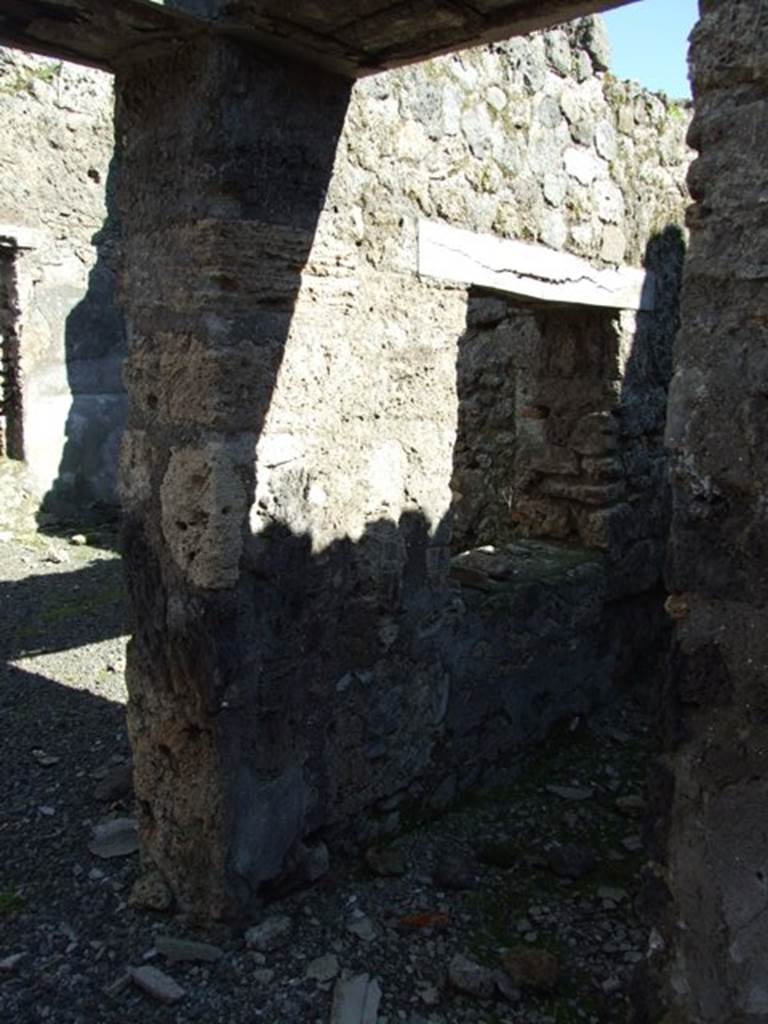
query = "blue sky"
x=649 y=43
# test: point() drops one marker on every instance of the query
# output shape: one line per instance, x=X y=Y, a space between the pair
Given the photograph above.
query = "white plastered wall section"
x=45 y=404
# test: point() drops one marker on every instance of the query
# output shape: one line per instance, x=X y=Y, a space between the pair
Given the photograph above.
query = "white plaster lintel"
x=531 y=271
x=19 y=236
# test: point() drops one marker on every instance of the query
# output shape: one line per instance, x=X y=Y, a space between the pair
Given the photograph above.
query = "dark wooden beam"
x=352 y=39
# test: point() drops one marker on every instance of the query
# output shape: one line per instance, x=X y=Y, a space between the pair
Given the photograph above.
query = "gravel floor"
x=534 y=884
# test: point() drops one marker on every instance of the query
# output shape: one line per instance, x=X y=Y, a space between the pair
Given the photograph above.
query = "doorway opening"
x=11 y=413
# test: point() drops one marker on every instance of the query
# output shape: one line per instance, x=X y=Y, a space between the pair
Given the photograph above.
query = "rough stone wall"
x=717 y=707
x=293 y=661
x=358 y=443
x=55 y=155
x=529 y=139
x=561 y=412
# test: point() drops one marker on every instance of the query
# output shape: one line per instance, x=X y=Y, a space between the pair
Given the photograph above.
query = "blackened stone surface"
x=718 y=565
x=537 y=638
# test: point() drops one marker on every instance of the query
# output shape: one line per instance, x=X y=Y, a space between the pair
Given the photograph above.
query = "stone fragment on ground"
x=356 y=1000
x=45 y=759
x=618 y=735
x=363 y=927
x=632 y=844
x=569 y=860
x=323 y=968
x=174 y=950
x=471 y=978
x=615 y=893
x=56 y=556
x=506 y=987
x=119 y=985
x=116 y=837
x=272 y=933
x=576 y=794
x=117 y=784
x=10 y=963
x=454 y=871
x=535 y=969
x=315 y=863
x=633 y=805
x=429 y=994
x=151 y=892
x=502 y=854
x=156 y=983
x=386 y=861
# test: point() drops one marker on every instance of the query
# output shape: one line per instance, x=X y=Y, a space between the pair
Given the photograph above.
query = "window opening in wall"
x=11 y=422
x=536 y=452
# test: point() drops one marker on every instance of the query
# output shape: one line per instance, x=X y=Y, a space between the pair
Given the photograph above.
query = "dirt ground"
x=517 y=907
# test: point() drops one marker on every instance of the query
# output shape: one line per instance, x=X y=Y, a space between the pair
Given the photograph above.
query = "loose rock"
x=387 y=861
x=44 y=759
x=118 y=986
x=184 y=949
x=502 y=855
x=506 y=987
x=117 y=784
x=363 y=928
x=574 y=793
x=151 y=892
x=356 y=1000
x=117 y=837
x=571 y=861
x=270 y=934
x=536 y=969
x=323 y=968
x=633 y=806
x=9 y=963
x=454 y=872
x=315 y=863
x=156 y=984
x=55 y=556
x=632 y=844
x=471 y=978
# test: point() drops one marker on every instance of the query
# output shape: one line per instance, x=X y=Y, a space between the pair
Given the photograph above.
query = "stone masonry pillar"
x=225 y=157
x=718 y=570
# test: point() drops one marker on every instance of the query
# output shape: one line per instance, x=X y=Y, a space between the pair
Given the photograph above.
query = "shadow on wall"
x=95 y=348
x=639 y=532
x=561 y=423
x=223 y=665
x=276 y=690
